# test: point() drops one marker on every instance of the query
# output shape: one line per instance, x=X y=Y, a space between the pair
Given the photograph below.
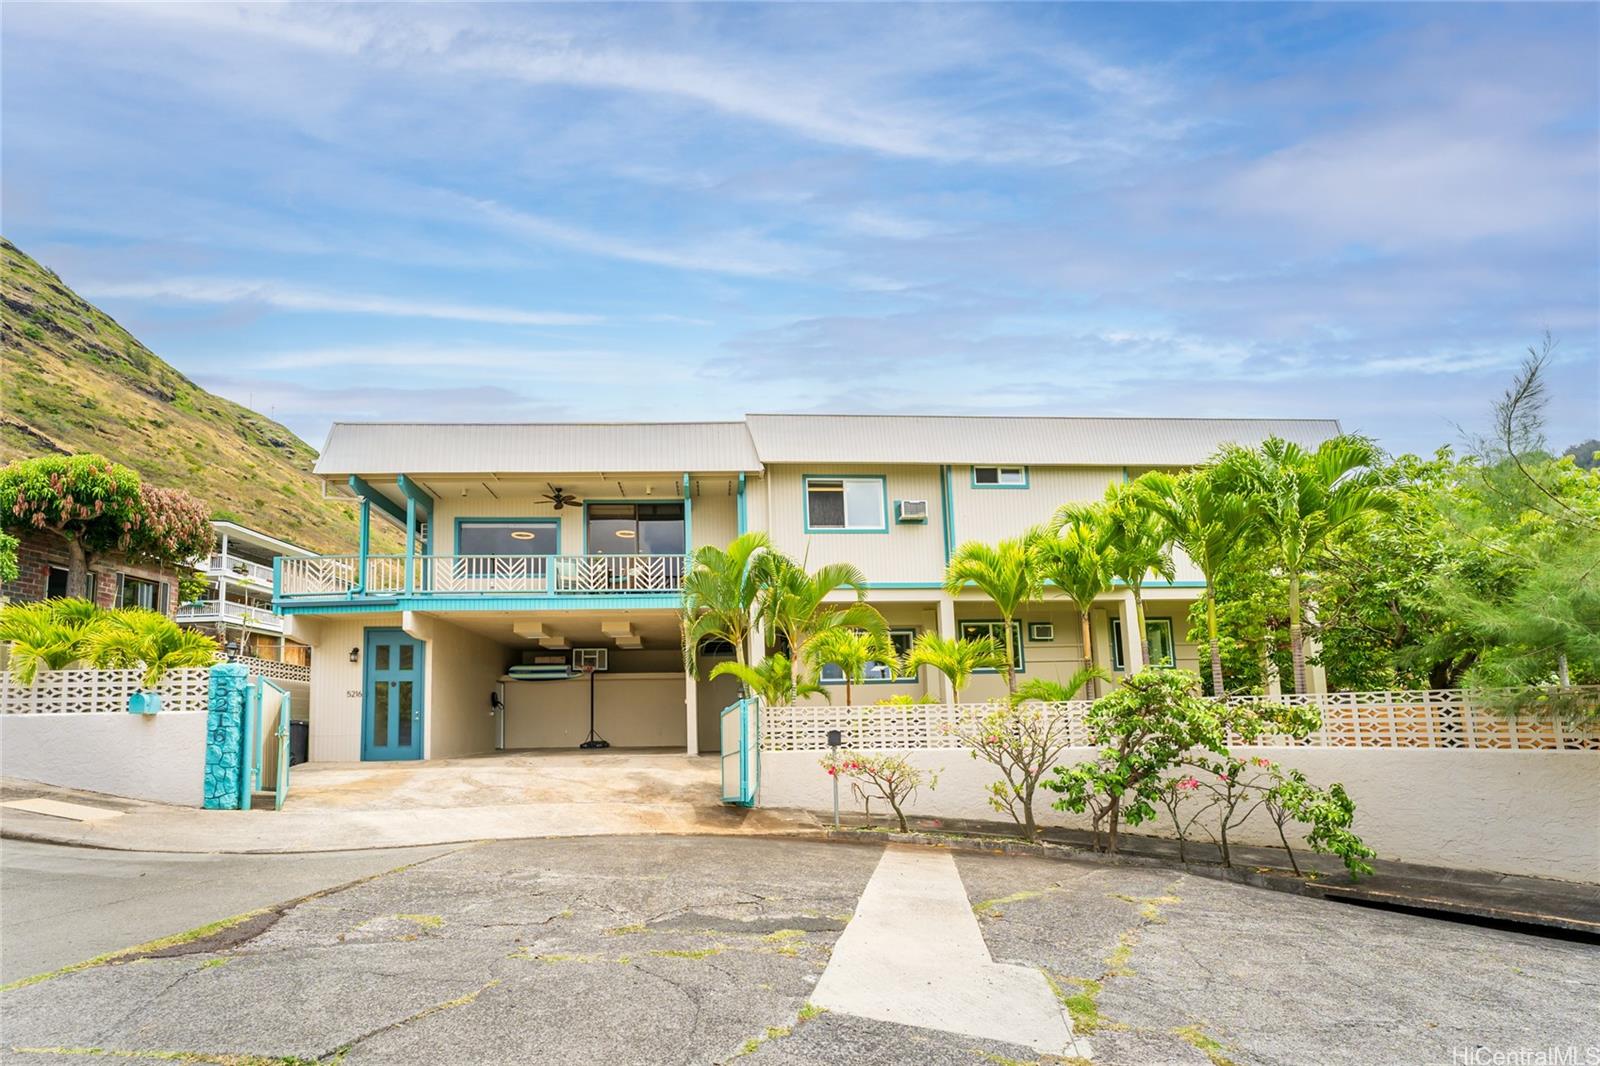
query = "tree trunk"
x=1011 y=658
x=1216 y=649
x=1144 y=630
x=1296 y=641
x=77 y=568
x=1114 y=813
x=1088 y=652
x=847 y=690
x=899 y=815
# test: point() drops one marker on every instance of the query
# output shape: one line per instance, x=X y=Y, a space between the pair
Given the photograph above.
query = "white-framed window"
x=999 y=477
x=1163 y=650
x=139 y=592
x=55 y=583
x=902 y=639
x=846 y=505
x=979 y=629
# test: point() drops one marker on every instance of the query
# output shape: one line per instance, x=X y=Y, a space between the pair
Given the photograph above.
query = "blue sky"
x=544 y=212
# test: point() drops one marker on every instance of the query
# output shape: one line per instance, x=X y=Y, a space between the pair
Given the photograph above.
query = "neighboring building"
x=237 y=605
x=534 y=546
x=114 y=580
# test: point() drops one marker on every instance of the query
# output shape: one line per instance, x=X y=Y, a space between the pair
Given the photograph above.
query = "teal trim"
x=973 y=473
x=1125 y=477
x=1119 y=660
x=377 y=499
x=479 y=519
x=805 y=500
x=905 y=584
x=688 y=545
x=411 y=543
x=744 y=519
x=418 y=495
x=911 y=679
x=688 y=516
x=947 y=493
x=395 y=638
x=365 y=548
x=1164 y=584
x=531 y=601
x=1016 y=628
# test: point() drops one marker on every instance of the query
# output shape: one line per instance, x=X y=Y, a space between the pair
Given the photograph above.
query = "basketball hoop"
x=593 y=740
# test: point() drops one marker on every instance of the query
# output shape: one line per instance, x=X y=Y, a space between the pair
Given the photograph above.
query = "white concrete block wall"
x=1517 y=812
x=159 y=757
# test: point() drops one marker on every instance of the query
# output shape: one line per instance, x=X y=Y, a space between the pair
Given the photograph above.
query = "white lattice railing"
x=236 y=569
x=1432 y=719
x=229 y=611
x=272 y=669
x=449 y=575
x=101 y=691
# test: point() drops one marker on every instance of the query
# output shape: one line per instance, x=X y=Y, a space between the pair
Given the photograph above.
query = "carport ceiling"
x=658 y=630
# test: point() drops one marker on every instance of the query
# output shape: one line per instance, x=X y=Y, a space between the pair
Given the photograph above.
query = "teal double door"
x=391 y=712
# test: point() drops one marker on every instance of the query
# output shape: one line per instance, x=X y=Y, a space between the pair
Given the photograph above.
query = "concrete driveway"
x=699 y=950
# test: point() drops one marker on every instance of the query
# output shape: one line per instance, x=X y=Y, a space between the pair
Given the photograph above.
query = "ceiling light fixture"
x=626 y=534
x=521 y=534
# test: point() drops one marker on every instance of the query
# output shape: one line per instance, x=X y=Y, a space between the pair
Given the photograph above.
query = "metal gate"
x=266 y=707
x=741 y=751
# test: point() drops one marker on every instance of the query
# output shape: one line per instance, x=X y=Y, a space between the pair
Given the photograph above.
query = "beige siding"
x=994 y=513
x=336 y=682
x=923 y=617
x=462 y=670
x=448 y=509
x=631 y=711
x=715 y=516
x=904 y=553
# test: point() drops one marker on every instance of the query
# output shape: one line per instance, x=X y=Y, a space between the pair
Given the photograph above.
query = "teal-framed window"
x=999 y=477
x=508 y=536
x=979 y=628
x=627 y=527
x=1163 y=651
x=878 y=673
x=846 y=503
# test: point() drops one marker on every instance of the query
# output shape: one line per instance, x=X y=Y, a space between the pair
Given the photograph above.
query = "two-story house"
x=534 y=548
x=236 y=606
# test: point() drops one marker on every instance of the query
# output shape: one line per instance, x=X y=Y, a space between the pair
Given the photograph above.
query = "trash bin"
x=299 y=742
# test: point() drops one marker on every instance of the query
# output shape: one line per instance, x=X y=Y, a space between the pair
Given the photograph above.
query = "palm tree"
x=49 y=635
x=1300 y=499
x=1207 y=522
x=1046 y=691
x=720 y=593
x=1076 y=560
x=1005 y=573
x=852 y=651
x=138 y=638
x=956 y=658
x=794 y=605
x=1136 y=539
x=773 y=680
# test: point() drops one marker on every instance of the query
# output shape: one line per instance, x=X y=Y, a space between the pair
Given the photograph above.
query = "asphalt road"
x=60 y=905
x=705 y=949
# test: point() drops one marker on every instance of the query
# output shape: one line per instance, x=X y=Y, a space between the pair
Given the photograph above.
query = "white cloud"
x=292 y=297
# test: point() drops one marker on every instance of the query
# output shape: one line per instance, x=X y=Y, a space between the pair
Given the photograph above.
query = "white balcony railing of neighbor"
x=235 y=569
x=229 y=612
x=450 y=575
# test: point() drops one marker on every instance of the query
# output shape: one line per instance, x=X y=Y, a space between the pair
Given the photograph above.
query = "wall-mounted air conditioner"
x=906 y=511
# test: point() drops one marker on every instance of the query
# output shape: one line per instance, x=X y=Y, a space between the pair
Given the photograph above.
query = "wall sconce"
x=355 y=654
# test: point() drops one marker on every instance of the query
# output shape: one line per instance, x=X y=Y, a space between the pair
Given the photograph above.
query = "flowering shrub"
x=1022 y=740
x=172 y=527
x=890 y=777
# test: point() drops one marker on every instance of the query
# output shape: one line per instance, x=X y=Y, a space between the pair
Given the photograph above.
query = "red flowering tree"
x=97 y=506
x=889 y=777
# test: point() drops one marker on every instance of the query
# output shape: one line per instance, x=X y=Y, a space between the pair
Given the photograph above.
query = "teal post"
x=744 y=522
x=226 y=721
x=411 y=543
x=688 y=518
x=366 y=545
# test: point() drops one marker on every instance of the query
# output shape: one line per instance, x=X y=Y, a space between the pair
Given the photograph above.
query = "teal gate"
x=253 y=755
x=741 y=751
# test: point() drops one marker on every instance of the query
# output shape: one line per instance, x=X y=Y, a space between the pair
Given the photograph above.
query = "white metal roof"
x=254 y=536
x=433 y=448
x=424 y=448
x=1023 y=440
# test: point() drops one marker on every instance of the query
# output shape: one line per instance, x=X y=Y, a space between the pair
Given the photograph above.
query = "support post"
x=366 y=545
x=691 y=710
x=1132 y=639
x=411 y=544
x=947 y=630
x=744 y=517
x=688 y=518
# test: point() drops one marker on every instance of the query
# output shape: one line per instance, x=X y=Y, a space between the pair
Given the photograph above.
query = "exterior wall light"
x=355 y=655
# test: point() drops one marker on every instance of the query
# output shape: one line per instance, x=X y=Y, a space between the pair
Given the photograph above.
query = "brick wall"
x=38 y=552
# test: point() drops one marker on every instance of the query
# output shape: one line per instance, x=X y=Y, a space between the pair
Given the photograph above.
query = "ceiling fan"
x=559 y=498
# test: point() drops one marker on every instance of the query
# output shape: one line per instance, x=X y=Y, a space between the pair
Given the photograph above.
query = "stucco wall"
x=989 y=514
x=631 y=711
x=462 y=669
x=904 y=553
x=158 y=757
x=1516 y=812
x=336 y=681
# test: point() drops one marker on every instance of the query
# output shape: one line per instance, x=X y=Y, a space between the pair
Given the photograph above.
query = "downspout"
x=744 y=518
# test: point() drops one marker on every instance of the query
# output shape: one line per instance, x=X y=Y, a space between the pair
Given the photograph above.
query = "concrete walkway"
x=914 y=955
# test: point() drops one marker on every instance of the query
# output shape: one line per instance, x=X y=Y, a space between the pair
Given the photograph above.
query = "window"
x=55 y=583
x=846 y=504
x=635 y=528
x=902 y=640
x=508 y=536
x=138 y=592
x=1163 y=652
x=979 y=630
x=999 y=477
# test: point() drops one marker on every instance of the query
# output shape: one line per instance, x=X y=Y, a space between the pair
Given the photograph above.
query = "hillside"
x=75 y=381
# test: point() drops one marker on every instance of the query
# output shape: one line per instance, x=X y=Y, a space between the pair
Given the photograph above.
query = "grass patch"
x=427 y=921
x=627 y=930
x=990 y=907
x=781 y=935
x=810 y=1011
x=211 y=964
x=175 y=940
x=172 y=1056
x=1117 y=961
x=689 y=953
x=1150 y=906
x=1198 y=1038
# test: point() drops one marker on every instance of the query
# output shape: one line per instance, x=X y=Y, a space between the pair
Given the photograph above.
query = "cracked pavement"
x=705 y=950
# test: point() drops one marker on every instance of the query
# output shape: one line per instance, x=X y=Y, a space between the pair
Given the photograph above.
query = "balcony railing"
x=236 y=569
x=454 y=575
x=229 y=612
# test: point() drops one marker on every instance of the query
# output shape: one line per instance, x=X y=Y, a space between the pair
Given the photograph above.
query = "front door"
x=391 y=715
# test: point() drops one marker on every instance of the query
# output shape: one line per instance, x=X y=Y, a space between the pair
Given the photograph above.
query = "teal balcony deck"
x=596 y=579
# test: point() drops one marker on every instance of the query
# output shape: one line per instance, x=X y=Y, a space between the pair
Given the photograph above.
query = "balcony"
x=229 y=612
x=236 y=569
x=339 y=576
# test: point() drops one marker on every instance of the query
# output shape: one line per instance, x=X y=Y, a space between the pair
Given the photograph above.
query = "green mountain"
x=72 y=380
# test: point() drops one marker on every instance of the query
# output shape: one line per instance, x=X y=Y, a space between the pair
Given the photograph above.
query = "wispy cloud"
x=291 y=297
